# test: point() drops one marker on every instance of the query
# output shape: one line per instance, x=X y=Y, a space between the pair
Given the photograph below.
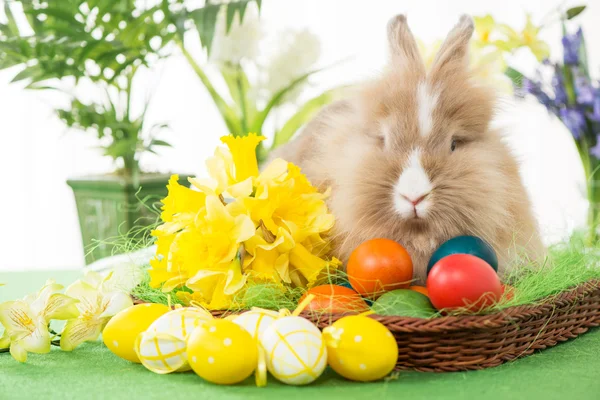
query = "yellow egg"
x=295 y=351
x=222 y=352
x=256 y=321
x=121 y=331
x=162 y=347
x=360 y=348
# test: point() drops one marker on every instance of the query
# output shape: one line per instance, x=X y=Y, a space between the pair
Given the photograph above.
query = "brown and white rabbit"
x=411 y=157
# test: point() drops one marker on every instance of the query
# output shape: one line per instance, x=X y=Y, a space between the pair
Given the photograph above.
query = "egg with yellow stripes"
x=162 y=347
x=222 y=352
x=256 y=321
x=295 y=351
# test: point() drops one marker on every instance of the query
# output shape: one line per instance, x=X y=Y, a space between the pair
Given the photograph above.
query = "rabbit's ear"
x=454 y=52
x=403 y=46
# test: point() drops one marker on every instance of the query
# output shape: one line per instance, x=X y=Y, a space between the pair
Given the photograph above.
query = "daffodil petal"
x=38 y=341
x=243 y=152
x=4 y=340
x=241 y=189
x=18 y=352
x=60 y=306
x=117 y=301
x=174 y=283
x=16 y=316
x=37 y=302
x=80 y=330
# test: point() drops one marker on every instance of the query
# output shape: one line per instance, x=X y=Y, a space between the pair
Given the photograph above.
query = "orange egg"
x=379 y=265
x=420 y=289
x=334 y=299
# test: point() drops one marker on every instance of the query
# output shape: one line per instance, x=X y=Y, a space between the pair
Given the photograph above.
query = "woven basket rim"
x=478 y=321
x=454 y=323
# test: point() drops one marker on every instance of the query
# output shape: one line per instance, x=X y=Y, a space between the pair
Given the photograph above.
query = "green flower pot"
x=110 y=206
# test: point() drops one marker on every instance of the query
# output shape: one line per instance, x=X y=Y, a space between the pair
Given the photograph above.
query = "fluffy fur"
x=359 y=148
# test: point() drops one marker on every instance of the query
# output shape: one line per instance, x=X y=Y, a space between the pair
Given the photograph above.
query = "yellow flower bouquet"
x=241 y=226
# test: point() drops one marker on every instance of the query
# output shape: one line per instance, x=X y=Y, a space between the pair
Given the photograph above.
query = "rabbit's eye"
x=453 y=145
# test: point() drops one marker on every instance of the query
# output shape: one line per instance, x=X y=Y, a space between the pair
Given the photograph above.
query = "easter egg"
x=334 y=299
x=404 y=303
x=161 y=348
x=379 y=265
x=222 y=352
x=255 y=321
x=295 y=351
x=420 y=289
x=463 y=281
x=360 y=348
x=465 y=245
x=121 y=331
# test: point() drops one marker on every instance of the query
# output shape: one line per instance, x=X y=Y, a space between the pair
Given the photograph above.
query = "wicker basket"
x=472 y=342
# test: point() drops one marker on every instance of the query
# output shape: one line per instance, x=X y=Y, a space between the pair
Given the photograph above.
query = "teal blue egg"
x=465 y=245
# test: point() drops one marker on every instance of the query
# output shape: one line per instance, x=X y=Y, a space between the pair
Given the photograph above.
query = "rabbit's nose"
x=416 y=200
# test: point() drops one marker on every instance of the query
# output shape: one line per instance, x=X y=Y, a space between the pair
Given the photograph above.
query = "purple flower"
x=558 y=84
x=574 y=120
x=584 y=89
x=571 y=44
x=595 y=116
x=534 y=88
x=595 y=151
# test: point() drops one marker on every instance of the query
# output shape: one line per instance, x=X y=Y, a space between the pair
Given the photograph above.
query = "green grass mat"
x=568 y=371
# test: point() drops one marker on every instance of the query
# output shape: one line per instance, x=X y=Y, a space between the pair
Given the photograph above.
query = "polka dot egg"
x=295 y=351
x=256 y=321
x=222 y=352
x=162 y=348
x=360 y=348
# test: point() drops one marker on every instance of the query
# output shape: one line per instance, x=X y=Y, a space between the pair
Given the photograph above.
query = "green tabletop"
x=568 y=371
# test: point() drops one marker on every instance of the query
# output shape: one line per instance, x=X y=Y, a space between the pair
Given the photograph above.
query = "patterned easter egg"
x=120 y=333
x=256 y=321
x=161 y=348
x=360 y=348
x=295 y=351
x=222 y=352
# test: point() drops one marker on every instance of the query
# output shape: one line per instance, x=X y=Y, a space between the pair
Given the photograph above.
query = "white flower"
x=296 y=54
x=26 y=321
x=97 y=304
x=242 y=41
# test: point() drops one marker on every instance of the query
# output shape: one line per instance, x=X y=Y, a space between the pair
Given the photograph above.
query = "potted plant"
x=60 y=44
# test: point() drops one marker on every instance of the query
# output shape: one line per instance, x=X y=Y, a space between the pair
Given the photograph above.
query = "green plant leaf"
x=304 y=114
x=27 y=73
x=515 y=76
x=157 y=142
x=205 y=19
x=575 y=11
x=278 y=98
x=232 y=10
x=12 y=24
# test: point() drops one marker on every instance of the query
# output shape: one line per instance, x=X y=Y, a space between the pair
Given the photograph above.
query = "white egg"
x=162 y=347
x=295 y=351
x=256 y=321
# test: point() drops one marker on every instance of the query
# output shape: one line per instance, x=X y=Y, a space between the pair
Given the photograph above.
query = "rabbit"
x=410 y=156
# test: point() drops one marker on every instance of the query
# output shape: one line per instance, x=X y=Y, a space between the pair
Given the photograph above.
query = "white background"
x=38 y=223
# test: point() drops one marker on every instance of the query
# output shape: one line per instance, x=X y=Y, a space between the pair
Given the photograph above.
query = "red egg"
x=463 y=281
x=335 y=299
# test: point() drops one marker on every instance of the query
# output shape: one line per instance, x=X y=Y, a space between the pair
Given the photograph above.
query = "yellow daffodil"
x=26 y=321
x=215 y=288
x=210 y=241
x=96 y=306
x=267 y=226
x=484 y=29
x=243 y=152
x=268 y=259
x=528 y=37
